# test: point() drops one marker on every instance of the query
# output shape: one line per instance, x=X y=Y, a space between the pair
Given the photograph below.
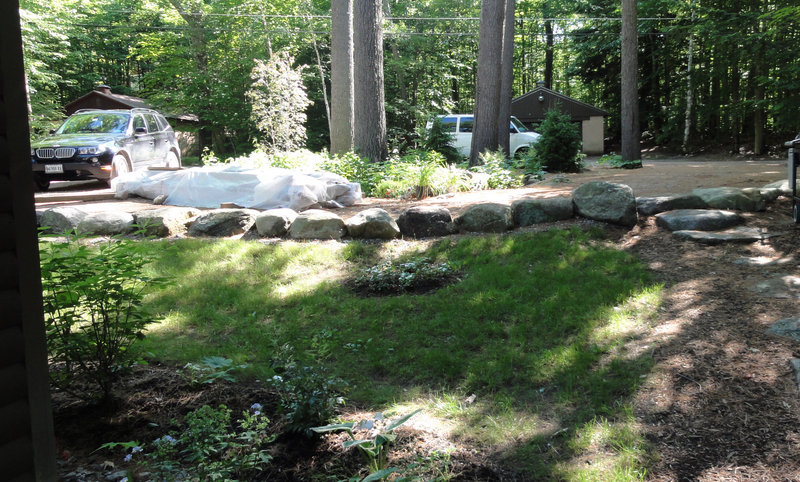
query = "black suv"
x=102 y=144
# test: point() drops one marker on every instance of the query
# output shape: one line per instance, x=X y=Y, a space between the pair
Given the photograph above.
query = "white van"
x=460 y=126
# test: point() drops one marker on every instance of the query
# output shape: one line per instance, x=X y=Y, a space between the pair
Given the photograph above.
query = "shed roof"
x=103 y=98
x=529 y=108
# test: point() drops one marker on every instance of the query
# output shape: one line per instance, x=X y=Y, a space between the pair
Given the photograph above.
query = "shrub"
x=439 y=140
x=615 y=161
x=354 y=168
x=420 y=174
x=558 y=148
x=499 y=169
x=93 y=307
x=308 y=396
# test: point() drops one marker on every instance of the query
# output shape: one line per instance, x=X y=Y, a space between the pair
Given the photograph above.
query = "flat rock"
x=274 y=223
x=648 y=206
x=606 y=201
x=781 y=286
x=533 y=211
x=748 y=199
x=741 y=235
x=486 y=218
x=698 y=219
x=61 y=219
x=788 y=327
x=373 y=223
x=763 y=261
x=223 y=222
x=317 y=224
x=782 y=186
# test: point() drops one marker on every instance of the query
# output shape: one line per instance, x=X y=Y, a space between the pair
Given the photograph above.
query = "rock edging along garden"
x=702 y=211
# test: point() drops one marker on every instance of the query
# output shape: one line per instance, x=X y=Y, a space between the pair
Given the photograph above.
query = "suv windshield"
x=519 y=125
x=95 y=123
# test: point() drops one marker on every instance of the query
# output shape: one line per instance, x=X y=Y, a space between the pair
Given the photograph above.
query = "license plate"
x=53 y=169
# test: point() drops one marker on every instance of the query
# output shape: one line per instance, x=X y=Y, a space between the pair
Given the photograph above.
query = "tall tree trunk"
x=631 y=149
x=487 y=85
x=687 y=119
x=342 y=117
x=369 y=136
x=548 y=53
x=506 y=79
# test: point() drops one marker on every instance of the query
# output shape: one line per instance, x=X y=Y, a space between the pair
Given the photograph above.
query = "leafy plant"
x=420 y=174
x=495 y=164
x=308 y=396
x=354 y=168
x=210 y=447
x=395 y=278
x=374 y=447
x=615 y=161
x=558 y=148
x=211 y=369
x=92 y=298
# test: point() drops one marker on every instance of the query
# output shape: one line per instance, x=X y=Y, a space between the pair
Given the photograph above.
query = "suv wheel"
x=171 y=160
x=119 y=166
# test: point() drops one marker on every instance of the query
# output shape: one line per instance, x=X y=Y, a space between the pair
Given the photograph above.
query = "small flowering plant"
x=416 y=275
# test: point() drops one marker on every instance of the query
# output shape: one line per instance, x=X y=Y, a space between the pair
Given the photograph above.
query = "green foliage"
x=92 y=298
x=415 y=275
x=499 y=169
x=375 y=446
x=211 y=369
x=308 y=395
x=439 y=140
x=615 y=161
x=278 y=101
x=354 y=168
x=559 y=146
x=420 y=174
x=209 y=447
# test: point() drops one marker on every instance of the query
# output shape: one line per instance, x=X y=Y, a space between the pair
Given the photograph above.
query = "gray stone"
x=61 y=219
x=106 y=223
x=780 y=286
x=605 y=201
x=373 y=223
x=223 y=222
x=763 y=261
x=317 y=224
x=782 y=186
x=426 y=221
x=698 y=219
x=748 y=199
x=160 y=199
x=163 y=222
x=770 y=194
x=526 y=212
x=648 y=206
x=486 y=218
x=742 y=235
x=275 y=223
x=788 y=327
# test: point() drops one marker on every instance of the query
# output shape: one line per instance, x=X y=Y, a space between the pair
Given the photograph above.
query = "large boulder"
x=106 y=223
x=526 y=212
x=373 y=223
x=648 y=206
x=607 y=202
x=782 y=186
x=748 y=199
x=275 y=223
x=223 y=222
x=61 y=219
x=426 y=221
x=486 y=218
x=317 y=224
x=698 y=219
x=163 y=222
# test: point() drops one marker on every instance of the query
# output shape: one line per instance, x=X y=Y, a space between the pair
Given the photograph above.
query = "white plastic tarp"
x=266 y=188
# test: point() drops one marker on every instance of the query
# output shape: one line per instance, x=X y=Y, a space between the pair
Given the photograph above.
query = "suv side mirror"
x=140 y=130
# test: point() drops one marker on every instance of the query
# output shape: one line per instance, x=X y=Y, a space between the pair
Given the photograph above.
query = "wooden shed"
x=185 y=125
x=530 y=108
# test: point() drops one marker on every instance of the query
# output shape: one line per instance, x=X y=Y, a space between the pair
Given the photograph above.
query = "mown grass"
x=535 y=329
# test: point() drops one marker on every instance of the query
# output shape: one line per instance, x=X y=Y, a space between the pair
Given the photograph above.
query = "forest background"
x=734 y=63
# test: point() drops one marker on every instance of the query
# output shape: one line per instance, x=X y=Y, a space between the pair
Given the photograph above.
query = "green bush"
x=420 y=174
x=559 y=146
x=92 y=300
x=499 y=169
x=354 y=168
x=615 y=161
x=439 y=140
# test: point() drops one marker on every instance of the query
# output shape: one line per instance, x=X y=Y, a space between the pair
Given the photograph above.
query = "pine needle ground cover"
x=524 y=351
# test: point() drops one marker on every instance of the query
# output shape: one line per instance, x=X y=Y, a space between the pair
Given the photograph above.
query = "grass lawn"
x=536 y=328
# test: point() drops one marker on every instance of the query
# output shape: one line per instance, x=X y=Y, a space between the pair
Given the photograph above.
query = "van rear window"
x=466 y=124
